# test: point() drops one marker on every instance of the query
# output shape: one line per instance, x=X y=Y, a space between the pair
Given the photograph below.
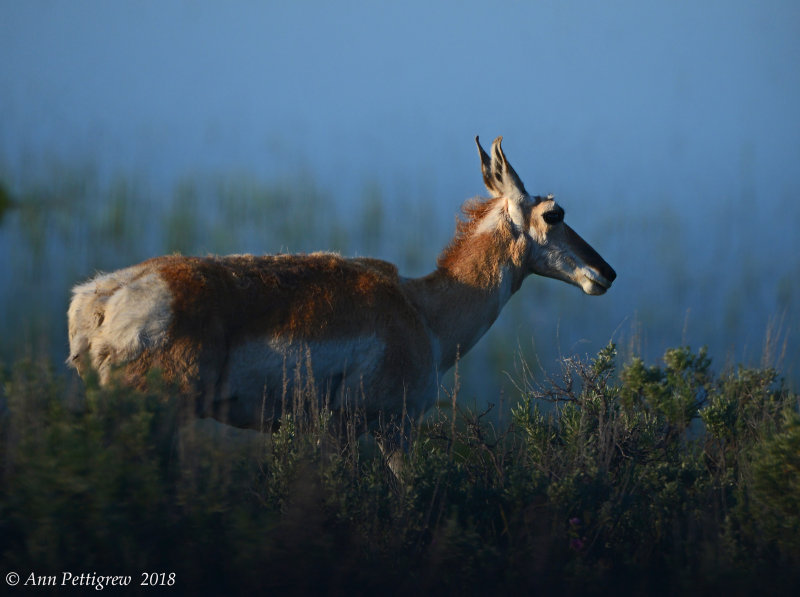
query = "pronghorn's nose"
x=605 y=270
x=601 y=274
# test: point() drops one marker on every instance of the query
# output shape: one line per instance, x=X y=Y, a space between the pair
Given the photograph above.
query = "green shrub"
x=657 y=479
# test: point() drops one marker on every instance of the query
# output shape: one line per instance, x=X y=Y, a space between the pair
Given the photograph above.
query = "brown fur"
x=478 y=259
x=296 y=296
x=220 y=302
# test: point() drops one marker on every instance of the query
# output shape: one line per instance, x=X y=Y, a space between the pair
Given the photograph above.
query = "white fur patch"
x=514 y=207
x=490 y=221
x=114 y=317
x=137 y=316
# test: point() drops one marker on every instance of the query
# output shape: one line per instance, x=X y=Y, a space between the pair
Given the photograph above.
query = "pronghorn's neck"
x=476 y=275
x=457 y=314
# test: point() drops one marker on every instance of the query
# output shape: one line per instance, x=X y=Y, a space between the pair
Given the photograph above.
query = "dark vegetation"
x=667 y=479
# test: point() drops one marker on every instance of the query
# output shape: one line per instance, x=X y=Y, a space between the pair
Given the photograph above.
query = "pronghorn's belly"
x=264 y=375
x=237 y=332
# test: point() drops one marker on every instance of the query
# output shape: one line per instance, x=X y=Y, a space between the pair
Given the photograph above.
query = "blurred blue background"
x=670 y=132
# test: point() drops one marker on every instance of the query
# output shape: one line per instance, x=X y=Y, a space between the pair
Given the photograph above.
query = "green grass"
x=647 y=479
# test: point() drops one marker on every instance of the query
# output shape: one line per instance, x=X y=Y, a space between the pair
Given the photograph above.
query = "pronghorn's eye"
x=553 y=216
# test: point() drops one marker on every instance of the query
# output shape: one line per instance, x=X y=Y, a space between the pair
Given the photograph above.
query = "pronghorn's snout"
x=597 y=281
x=584 y=266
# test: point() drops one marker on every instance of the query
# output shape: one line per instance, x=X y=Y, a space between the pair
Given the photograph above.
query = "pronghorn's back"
x=227 y=328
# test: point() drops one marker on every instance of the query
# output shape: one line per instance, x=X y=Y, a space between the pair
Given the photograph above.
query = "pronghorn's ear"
x=499 y=177
x=486 y=166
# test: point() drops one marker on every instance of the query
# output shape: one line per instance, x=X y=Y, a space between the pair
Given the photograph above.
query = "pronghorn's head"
x=555 y=250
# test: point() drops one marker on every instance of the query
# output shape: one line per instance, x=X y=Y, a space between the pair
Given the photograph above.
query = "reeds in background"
x=678 y=283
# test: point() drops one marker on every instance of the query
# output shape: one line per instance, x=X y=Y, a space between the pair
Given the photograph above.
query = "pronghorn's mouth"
x=592 y=282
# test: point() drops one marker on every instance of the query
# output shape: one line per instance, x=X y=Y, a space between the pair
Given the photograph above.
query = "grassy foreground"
x=665 y=479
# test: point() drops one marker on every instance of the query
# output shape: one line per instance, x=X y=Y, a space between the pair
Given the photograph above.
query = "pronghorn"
x=224 y=328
